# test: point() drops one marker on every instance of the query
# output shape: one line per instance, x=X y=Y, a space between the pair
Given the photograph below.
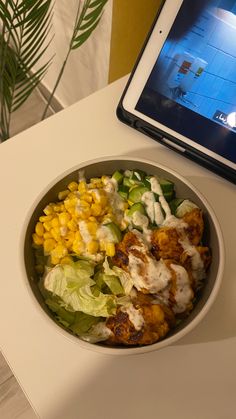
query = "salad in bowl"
x=123 y=259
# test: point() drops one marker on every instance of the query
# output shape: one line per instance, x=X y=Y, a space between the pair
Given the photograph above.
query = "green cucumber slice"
x=116 y=233
x=136 y=193
x=123 y=191
x=118 y=176
x=173 y=204
x=166 y=185
x=136 y=207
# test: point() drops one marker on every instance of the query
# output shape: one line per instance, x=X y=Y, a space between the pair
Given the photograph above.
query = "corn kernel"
x=49 y=245
x=67 y=260
x=82 y=187
x=78 y=235
x=45 y=218
x=47 y=225
x=110 y=249
x=64 y=217
x=87 y=197
x=48 y=210
x=73 y=186
x=92 y=247
x=57 y=208
x=96 y=209
x=92 y=227
x=38 y=240
x=63 y=194
x=54 y=260
x=72 y=225
x=78 y=247
x=39 y=229
x=55 y=233
x=102 y=245
x=55 y=222
x=59 y=251
x=47 y=235
x=69 y=203
x=84 y=213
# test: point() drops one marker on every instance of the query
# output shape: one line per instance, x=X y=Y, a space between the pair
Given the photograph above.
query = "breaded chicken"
x=197 y=265
x=165 y=243
x=195 y=228
x=154 y=328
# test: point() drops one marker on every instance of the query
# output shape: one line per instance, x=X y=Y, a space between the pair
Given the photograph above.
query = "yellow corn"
x=37 y=239
x=47 y=225
x=55 y=222
x=48 y=210
x=82 y=187
x=92 y=227
x=78 y=247
x=72 y=225
x=49 y=245
x=63 y=194
x=39 y=229
x=73 y=186
x=45 y=218
x=92 y=247
x=96 y=210
x=55 y=233
x=87 y=197
x=64 y=217
x=110 y=249
x=57 y=207
x=60 y=251
x=67 y=260
x=54 y=260
x=47 y=235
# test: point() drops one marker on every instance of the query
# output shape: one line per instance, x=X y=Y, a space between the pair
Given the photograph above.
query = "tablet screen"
x=192 y=86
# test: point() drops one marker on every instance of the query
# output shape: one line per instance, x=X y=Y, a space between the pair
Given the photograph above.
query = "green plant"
x=26 y=27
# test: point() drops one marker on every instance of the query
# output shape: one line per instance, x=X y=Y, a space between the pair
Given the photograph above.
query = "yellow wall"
x=131 y=21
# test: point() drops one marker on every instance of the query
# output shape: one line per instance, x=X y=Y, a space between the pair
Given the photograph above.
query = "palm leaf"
x=26 y=25
x=88 y=20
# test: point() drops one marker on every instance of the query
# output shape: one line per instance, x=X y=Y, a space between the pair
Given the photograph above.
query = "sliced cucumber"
x=136 y=207
x=138 y=175
x=169 y=196
x=174 y=203
x=128 y=182
x=185 y=207
x=118 y=176
x=123 y=191
x=136 y=193
x=166 y=185
x=115 y=231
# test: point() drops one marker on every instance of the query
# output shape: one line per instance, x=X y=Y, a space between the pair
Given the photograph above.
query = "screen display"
x=192 y=86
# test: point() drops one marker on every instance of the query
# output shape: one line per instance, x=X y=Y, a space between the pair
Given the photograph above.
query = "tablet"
x=182 y=91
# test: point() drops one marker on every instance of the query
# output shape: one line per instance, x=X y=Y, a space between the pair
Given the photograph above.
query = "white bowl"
x=185 y=189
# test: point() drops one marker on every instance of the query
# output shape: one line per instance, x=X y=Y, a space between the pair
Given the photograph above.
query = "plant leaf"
x=88 y=20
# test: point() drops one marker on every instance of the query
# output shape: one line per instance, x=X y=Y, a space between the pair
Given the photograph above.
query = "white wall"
x=88 y=66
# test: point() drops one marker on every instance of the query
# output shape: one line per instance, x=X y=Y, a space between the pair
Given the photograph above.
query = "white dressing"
x=135 y=315
x=148 y=199
x=155 y=186
x=198 y=270
x=184 y=293
x=151 y=275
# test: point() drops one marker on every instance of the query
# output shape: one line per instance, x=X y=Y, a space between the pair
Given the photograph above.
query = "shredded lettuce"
x=125 y=279
x=73 y=285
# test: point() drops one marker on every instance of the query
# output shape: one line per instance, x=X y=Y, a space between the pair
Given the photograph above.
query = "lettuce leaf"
x=73 y=285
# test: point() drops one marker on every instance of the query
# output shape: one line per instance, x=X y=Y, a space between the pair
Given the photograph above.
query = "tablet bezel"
x=126 y=109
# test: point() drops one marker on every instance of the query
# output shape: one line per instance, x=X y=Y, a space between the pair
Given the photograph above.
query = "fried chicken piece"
x=195 y=228
x=121 y=258
x=165 y=243
x=155 y=326
x=196 y=263
x=179 y=294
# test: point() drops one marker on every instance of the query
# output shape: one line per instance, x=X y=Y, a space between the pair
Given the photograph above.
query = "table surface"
x=195 y=378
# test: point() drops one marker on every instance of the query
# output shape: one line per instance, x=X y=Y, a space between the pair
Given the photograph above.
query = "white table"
x=195 y=378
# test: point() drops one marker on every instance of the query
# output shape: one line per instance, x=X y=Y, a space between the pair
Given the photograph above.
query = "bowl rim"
x=125 y=350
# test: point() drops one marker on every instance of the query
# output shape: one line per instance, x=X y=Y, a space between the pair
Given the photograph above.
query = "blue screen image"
x=197 y=69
